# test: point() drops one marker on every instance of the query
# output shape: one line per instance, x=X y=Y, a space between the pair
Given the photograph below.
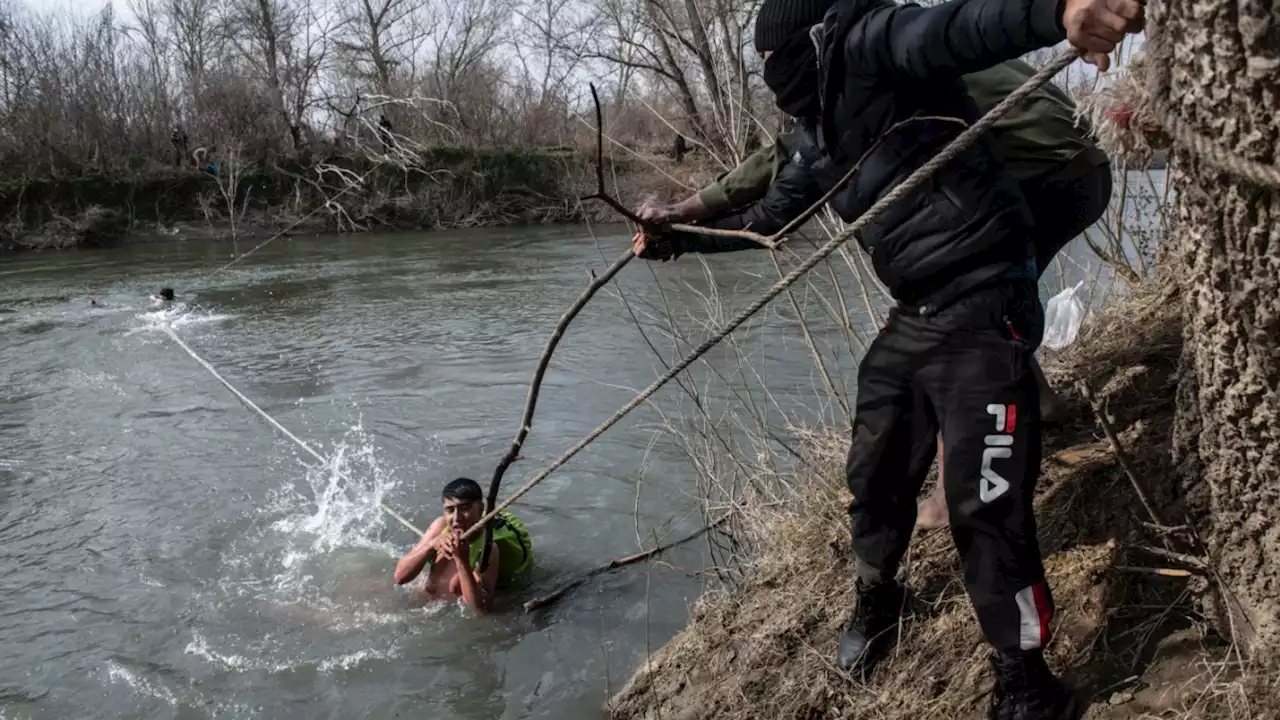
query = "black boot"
x=873 y=629
x=1026 y=689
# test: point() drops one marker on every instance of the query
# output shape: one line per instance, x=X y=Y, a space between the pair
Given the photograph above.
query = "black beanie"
x=780 y=19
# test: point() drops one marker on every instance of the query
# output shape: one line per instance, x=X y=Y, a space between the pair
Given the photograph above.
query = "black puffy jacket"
x=885 y=70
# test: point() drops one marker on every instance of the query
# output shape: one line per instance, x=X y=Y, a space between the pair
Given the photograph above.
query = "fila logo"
x=993 y=485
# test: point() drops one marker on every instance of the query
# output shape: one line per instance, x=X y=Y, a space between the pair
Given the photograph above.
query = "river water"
x=165 y=553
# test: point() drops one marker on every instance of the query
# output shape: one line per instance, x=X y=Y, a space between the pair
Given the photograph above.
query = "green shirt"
x=1042 y=133
x=748 y=182
x=1039 y=136
x=515 y=548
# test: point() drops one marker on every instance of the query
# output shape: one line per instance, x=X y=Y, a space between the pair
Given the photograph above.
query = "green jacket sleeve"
x=749 y=181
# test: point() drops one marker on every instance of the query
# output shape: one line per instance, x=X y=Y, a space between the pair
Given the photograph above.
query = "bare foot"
x=931 y=513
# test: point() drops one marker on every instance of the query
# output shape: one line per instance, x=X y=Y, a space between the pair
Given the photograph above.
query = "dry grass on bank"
x=1131 y=637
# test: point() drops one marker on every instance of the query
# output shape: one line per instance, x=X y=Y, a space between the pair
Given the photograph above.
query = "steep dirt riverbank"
x=1131 y=630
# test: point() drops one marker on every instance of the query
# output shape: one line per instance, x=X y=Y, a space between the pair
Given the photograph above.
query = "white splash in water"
x=178 y=316
x=317 y=565
x=343 y=508
x=140 y=685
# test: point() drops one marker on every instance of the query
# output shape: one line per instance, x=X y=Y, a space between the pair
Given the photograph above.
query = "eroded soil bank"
x=1131 y=628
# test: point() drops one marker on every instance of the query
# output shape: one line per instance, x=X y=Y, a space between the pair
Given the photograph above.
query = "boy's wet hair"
x=464 y=489
x=166 y=293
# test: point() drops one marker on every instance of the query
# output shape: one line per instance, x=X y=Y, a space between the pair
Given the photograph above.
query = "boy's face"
x=462 y=513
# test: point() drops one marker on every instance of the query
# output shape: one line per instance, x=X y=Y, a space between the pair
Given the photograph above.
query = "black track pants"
x=966 y=372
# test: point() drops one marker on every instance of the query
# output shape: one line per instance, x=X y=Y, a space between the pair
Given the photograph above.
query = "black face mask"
x=791 y=72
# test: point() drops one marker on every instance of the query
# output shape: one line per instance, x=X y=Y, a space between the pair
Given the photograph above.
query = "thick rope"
x=1211 y=152
x=274 y=423
x=917 y=179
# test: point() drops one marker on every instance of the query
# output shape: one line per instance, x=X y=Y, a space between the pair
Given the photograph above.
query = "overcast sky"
x=80 y=7
x=124 y=14
x=83 y=7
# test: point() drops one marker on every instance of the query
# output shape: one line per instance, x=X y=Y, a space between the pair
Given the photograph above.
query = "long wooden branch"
x=566 y=588
x=535 y=387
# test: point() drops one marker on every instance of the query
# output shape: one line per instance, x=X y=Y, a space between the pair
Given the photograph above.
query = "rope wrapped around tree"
x=1132 y=118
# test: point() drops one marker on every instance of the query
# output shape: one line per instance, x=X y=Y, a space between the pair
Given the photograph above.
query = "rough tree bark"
x=1223 y=57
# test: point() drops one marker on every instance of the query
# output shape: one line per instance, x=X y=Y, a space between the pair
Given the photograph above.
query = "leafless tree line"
x=288 y=78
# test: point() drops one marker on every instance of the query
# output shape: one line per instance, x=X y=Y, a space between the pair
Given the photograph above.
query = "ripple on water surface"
x=168 y=554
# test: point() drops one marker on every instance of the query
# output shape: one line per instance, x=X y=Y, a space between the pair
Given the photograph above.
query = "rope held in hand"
x=918 y=178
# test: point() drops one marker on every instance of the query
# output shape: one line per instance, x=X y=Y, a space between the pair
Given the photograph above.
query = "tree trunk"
x=683 y=91
x=1224 y=84
x=702 y=48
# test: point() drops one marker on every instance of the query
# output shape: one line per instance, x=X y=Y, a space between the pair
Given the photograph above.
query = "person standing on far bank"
x=958 y=256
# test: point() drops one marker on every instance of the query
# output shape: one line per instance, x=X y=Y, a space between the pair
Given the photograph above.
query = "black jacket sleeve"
x=896 y=42
x=792 y=192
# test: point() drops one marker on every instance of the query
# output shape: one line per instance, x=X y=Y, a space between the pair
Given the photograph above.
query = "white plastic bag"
x=1062 y=317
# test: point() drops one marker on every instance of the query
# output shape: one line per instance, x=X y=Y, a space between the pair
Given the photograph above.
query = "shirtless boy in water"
x=451 y=575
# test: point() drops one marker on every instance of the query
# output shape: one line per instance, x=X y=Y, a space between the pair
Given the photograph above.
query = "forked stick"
x=649 y=227
x=600 y=193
